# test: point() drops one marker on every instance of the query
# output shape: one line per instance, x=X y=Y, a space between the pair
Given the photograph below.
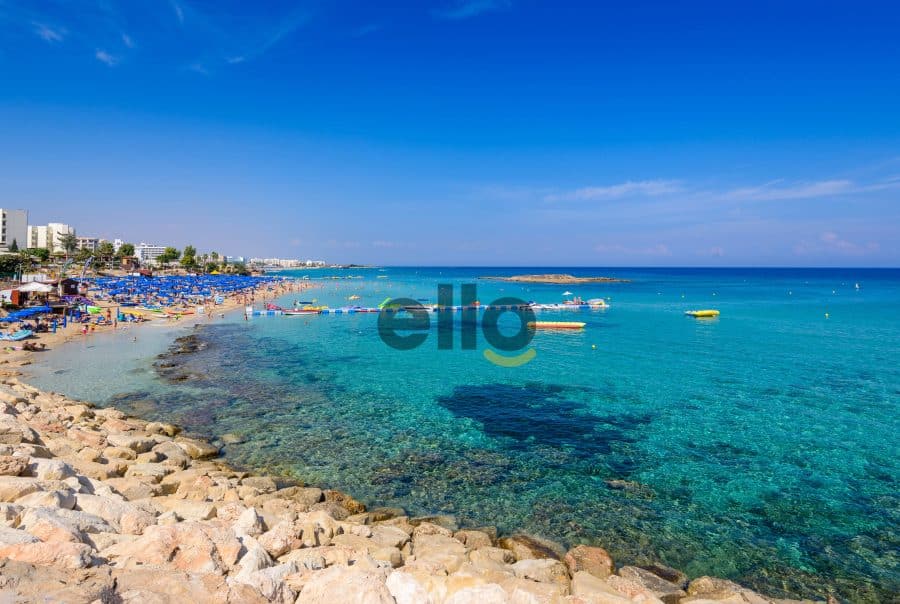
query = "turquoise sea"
x=763 y=446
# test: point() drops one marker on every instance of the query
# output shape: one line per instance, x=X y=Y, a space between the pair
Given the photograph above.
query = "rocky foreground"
x=99 y=507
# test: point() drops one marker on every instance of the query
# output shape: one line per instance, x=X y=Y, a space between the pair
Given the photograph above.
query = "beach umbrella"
x=37 y=288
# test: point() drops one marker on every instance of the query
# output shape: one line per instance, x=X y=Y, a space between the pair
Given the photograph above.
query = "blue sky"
x=487 y=132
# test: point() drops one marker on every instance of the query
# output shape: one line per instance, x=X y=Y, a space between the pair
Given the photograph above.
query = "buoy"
x=593 y=346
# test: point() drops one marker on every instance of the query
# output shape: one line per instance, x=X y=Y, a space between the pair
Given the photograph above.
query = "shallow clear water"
x=761 y=446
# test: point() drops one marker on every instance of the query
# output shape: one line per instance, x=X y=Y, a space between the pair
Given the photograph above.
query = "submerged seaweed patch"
x=537 y=414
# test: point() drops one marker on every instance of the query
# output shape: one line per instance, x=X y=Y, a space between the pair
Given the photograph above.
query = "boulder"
x=188 y=510
x=121 y=514
x=406 y=589
x=52 y=524
x=114 y=453
x=712 y=588
x=347 y=585
x=280 y=539
x=594 y=589
x=527 y=547
x=483 y=594
x=473 y=539
x=593 y=560
x=153 y=472
x=16 y=487
x=169 y=430
x=61 y=554
x=50 y=469
x=184 y=546
x=346 y=501
x=12 y=536
x=546 y=570
x=10 y=513
x=389 y=536
x=249 y=523
x=439 y=549
x=12 y=466
x=270 y=582
x=491 y=556
x=138 y=444
x=23 y=582
x=668 y=592
x=59 y=498
x=134 y=488
x=196 y=449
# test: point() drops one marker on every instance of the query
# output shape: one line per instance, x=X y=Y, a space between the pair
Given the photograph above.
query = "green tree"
x=41 y=253
x=68 y=242
x=106 y=250
x=126 y=250
x=170 y=254
x=214 y=256
x=189 y=257
x=9 y=264
x=14 y=246
x=83 y=254
x=211 y=266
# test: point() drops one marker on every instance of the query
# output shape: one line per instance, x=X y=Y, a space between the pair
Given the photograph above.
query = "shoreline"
x=437 y=560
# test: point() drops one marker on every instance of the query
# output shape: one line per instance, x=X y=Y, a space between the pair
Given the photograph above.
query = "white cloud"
x=127 y=41
x=642 y=188
x=777 y=191
x=830 y=241
x=465 y=9
x=49 y=34
x=105 y=57
x=179 y=12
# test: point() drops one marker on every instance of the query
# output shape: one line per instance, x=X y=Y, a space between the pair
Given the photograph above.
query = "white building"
x=148 y=253
x=117 y=243
x=89 y=243
x=14 y=228
x=48 y=236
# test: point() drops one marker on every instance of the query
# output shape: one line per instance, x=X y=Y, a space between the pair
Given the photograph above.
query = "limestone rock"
x=59 y=498
x=154 y=472
x=594 y=589
x=196 y=449
x=346 y=501
x=15 y=487
x=51 y=524
x=184 y=546
x=347 y=585
x=526 y=547
x=439 y=549
x=270 y=582
x=280 y=539
x=594 y=560
x=546 y=570
x=22 y=582
x=389 y=536
x=249 y=523
x=483 y=594
x=10 y=513
x=12 y=466
x=12 y=536
x=162 y=428
x=473 y=539
x=494 y=555
x=406 y=589
x=668 y=592
x=61 y=554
